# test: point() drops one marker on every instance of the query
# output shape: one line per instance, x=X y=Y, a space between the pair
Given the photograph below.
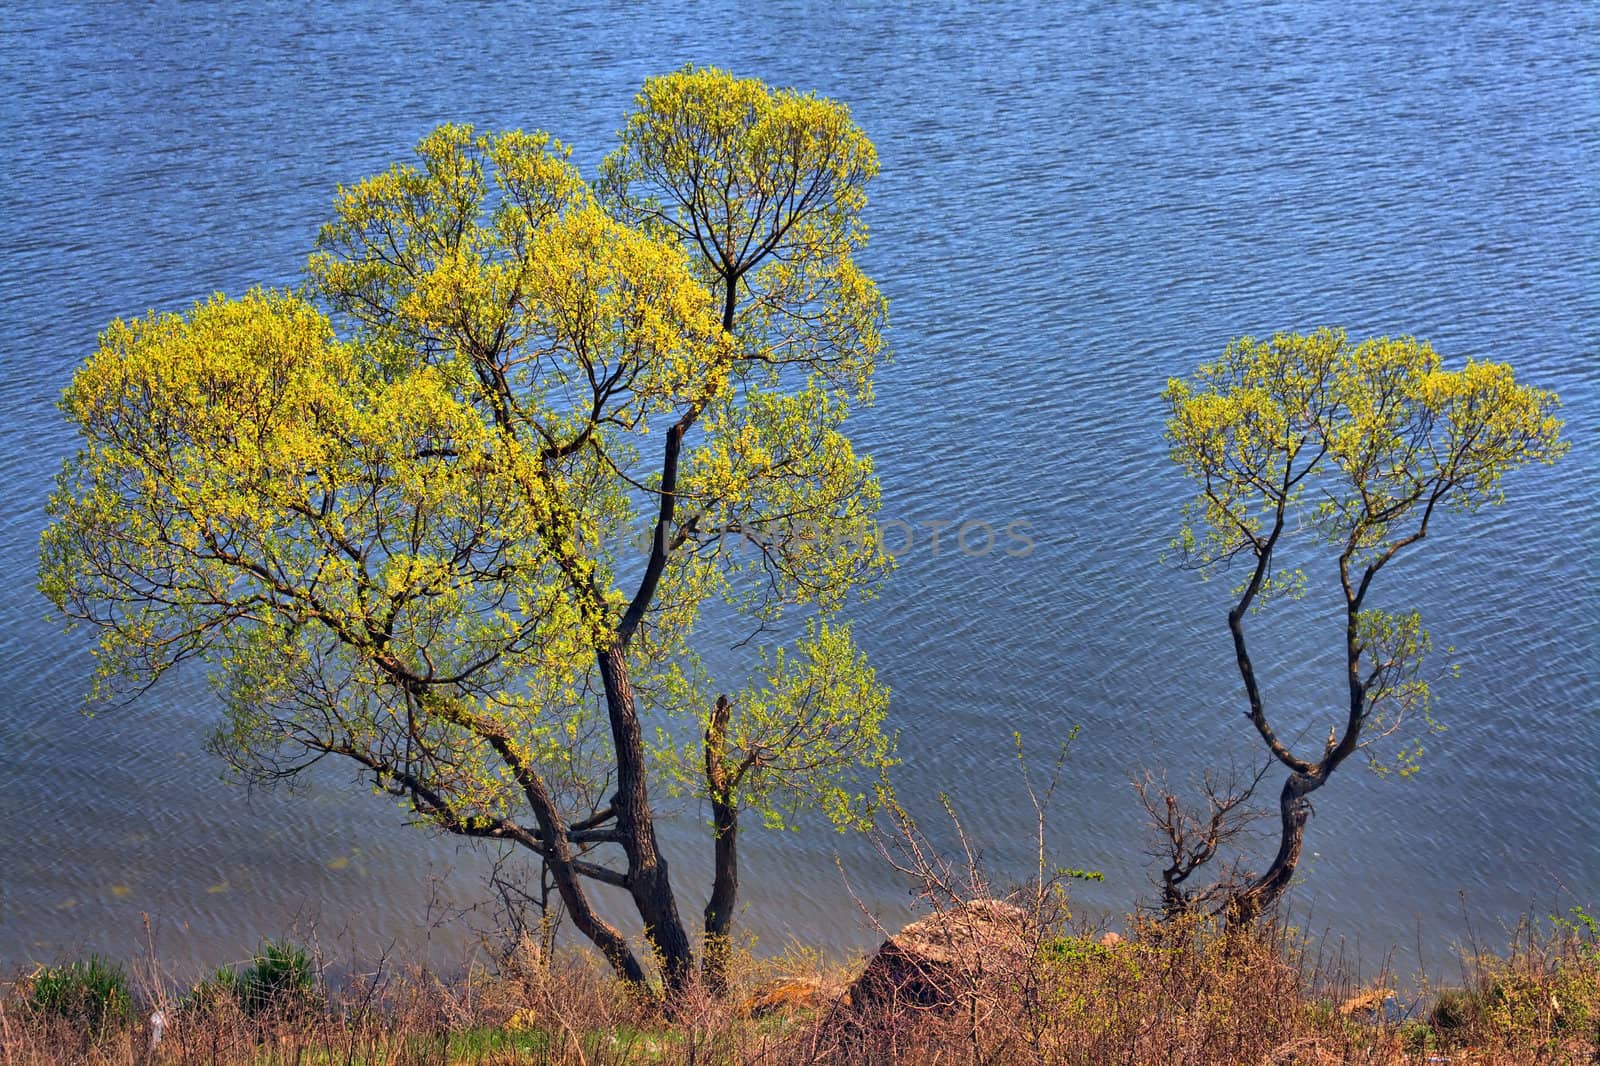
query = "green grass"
x=91 y=993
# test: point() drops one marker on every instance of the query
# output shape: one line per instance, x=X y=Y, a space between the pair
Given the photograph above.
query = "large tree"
x=400 y=511
x=1317 y=448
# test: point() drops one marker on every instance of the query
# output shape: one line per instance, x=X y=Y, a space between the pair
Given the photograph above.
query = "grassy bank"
x=1160 y=996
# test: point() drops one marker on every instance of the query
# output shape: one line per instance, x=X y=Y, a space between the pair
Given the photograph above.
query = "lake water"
x=1075 y=203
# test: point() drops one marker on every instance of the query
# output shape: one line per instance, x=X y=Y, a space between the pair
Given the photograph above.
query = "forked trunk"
x=648 y=883
x=1262 y=894
x=558 y=860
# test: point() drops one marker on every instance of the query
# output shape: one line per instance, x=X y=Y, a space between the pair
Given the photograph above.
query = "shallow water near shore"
x=1074 y=205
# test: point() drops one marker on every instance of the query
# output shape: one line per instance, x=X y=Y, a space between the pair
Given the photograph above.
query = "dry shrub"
x=1169 y=993
x=1182 y=992
x=1537 y=1003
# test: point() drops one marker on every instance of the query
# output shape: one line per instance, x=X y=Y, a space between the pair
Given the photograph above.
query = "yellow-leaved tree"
x=398 y=511
x=1353 y=449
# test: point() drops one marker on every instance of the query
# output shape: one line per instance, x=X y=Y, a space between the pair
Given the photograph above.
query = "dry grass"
x=1165 y=995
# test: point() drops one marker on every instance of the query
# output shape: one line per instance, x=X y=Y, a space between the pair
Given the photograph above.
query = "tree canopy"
x=393 y=509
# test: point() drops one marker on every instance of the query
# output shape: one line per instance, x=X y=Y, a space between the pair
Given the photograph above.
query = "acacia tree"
x=391 y=509
x=1353 y=448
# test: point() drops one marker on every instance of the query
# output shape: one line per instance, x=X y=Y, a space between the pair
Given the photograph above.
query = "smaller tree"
x=786 y=743
x=1353 y=448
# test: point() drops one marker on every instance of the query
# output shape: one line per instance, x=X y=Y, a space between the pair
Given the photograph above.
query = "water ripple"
x=1076 y=203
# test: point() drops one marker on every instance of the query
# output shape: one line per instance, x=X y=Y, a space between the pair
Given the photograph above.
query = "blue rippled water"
x=1076 y=202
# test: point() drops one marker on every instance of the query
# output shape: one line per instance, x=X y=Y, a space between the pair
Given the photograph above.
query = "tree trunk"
x=648 y=882
x=558 y=860
x=725 y=831
x=1262 y=894
x=724 y=892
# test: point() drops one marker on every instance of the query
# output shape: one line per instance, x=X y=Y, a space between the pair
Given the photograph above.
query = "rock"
x=1111 y=940
x=1369 y=1001
x=792 y=994
x=935 y=961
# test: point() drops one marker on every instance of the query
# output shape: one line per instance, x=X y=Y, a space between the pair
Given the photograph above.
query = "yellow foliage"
x=392 y=510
